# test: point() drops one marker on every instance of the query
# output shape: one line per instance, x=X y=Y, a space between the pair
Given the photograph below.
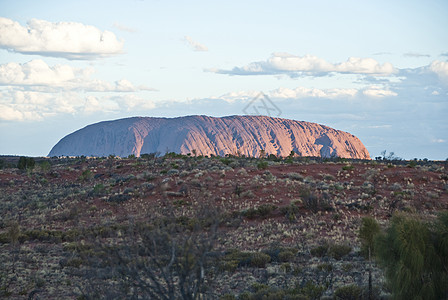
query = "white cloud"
x=39 y=76
x=69 y=40
x=135 y=102
x=285 y=63
x=303 y=92
x=12 y=114
x=35 y=72
x=93 y=104
x=35 y=91
x=237 y=95
x=196 y=46
x=378 y=92
x=27 y=105
x=36 y=106
x=441 y=69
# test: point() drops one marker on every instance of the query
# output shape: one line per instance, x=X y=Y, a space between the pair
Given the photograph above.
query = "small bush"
x=86 y=175
x=26 y=163
x=226 y=161
x=262 y=211
x=98 y=190
x=262 y=165
x=337 y=251
x=348 y=167
x=326 y=267
x=320 y=250
x=295 y=176
x=314 y=202
x=313 y=291
x=290 y=211
x=250 y=213
x=119 y=198
x=74 y=262
x=14 y=232
x=348 y=292
x=259 y=260
x=286 y=255
x=265 y=209
x=45 y=166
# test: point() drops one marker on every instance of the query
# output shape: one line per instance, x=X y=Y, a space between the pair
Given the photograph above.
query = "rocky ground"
x=283 y=224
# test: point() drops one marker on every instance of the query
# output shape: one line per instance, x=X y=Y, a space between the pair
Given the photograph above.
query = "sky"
x=377 y=69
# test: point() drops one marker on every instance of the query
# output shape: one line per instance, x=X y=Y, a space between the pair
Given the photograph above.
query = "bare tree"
x=169 y=257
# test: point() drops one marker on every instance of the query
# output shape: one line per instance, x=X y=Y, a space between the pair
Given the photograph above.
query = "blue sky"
x=377 y=69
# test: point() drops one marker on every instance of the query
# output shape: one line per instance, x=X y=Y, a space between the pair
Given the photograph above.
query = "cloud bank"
x=440 y=68
x=37 y=75
x=301 y=92
x=34 y=91
x=310 y=65
x=70 y=40
x=21 y=106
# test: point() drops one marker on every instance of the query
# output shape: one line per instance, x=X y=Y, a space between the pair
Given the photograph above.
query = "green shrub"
x=265 y=209
x=367 y=233
x=286 y=255
x=348 y=167
x=229 y=266
x=86 y=175
x=337 y=251
x=295 y=176
x=348 y=292
x=262 y=165
x=98 y=189
x=262 y=211
x=250 y=213
x=119 y=198
x=320 y=250
x=326 y=267
x=415 y=257
x=412 y=164
x=45 y=166
x=312 y=290
x=259 y=260
x=290 y=211
x=226 y=161
x=314 y=202
x=234 y=259
x=74 y=262
x=26 y=163
x=14 y=232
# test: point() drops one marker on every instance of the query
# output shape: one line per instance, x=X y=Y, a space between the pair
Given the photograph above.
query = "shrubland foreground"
x=222 y=228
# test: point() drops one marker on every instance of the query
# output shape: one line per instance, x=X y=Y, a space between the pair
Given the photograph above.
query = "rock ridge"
x=204 y=135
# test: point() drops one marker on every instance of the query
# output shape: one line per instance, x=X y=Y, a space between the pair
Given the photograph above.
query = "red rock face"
x=244 y=135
